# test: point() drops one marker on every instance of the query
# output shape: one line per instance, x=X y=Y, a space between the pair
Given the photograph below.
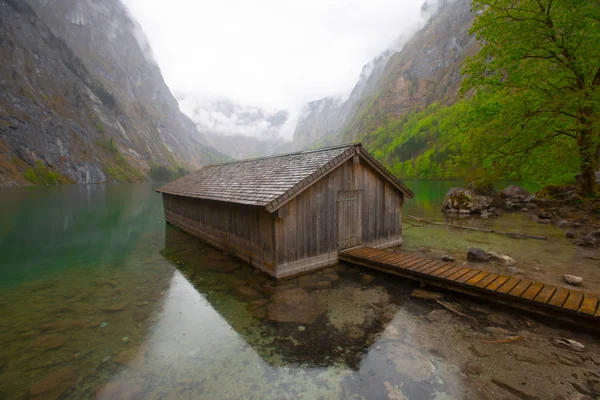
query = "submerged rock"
x=54 y=385
x=119 y=390
x=246 y=293
x=465 y=201
x=294 y=305
x=50 y=342
x=590 y=240
x=366 y=279
x=573 y=280
x=478 y=255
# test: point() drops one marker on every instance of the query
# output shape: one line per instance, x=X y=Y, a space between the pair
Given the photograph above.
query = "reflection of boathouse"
x=290 y=213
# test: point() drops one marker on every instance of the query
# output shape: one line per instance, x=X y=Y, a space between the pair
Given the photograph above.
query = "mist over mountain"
x=82 y=99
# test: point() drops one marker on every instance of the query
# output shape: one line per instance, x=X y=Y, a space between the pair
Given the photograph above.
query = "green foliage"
x=161 y=173
x=120 y=170
x=424 y=145
x=537 y=76
x=40 y=174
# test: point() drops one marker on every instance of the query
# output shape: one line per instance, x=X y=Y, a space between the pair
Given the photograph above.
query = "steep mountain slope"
x=323 y=120
x=82 y=101
x=427 y=70
x=424 y=71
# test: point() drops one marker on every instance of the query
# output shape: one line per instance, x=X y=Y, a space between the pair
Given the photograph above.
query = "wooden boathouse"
x=289 y=214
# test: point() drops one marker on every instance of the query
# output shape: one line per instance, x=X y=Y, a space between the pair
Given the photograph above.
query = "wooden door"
x=349 y=221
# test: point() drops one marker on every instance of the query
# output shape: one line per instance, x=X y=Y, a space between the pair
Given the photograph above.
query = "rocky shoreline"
x=561 y=206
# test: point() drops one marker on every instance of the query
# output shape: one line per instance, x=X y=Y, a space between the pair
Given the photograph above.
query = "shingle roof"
x=268 y=181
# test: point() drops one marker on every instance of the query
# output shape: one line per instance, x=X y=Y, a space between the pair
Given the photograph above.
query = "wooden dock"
x=575 y=306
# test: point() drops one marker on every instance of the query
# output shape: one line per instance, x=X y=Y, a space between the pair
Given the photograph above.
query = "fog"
x=266 y=55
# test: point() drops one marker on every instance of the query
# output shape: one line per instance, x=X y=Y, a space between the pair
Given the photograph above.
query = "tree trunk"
x=588 y=153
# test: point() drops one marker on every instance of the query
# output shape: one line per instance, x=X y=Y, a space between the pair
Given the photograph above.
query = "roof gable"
x=270 y=181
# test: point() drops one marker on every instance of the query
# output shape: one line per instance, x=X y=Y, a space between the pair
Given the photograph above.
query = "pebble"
x=301 y=328
x=104 y=325
x=125 y=339
x=571 y=235
x=447 y=258
x=514 y=270
x=573 y=280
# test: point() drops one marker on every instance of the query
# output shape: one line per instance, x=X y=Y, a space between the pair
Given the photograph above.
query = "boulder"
x=478 y=255
x=573 y=280
x=482 y=189
x=464 y=201
x=516 y=198
x=591 y=240
x=514 y=192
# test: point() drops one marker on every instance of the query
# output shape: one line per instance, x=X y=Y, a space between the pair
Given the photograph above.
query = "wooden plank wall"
x=306 y=232
x=244 y=231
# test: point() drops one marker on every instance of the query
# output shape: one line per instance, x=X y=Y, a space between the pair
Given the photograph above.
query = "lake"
x=101 y=299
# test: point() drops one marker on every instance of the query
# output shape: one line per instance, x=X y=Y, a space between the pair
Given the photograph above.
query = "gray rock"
x=571 y=235
x=447 y=258
x=577 y=225
x=545 y=215
x=573 y=280
x=464 y=201
x=531 y=206
x=515 y=192
x=544 y=221
x=563 y=223
x=478 y=255
x=591 y=240
x=501 y=258
x=513 y=270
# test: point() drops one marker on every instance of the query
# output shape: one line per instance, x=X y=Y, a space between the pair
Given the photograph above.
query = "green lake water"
x=101 y=299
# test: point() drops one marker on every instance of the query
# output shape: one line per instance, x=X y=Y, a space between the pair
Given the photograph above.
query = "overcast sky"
x=275 y=54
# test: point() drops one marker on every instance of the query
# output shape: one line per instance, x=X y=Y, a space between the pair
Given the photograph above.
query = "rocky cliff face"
x=425 y=70
x=81 y=97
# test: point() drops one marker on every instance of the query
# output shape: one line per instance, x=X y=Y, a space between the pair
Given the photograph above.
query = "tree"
x=537 y=81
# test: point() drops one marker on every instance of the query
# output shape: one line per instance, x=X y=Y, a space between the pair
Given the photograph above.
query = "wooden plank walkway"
x=576 y=306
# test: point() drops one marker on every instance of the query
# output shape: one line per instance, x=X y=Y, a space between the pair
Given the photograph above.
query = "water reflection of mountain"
x=50 y=228
x=325 y=319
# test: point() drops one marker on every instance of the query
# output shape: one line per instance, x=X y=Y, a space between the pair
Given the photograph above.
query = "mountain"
x=409 y=77
x=239 y=131
x=83 y=101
